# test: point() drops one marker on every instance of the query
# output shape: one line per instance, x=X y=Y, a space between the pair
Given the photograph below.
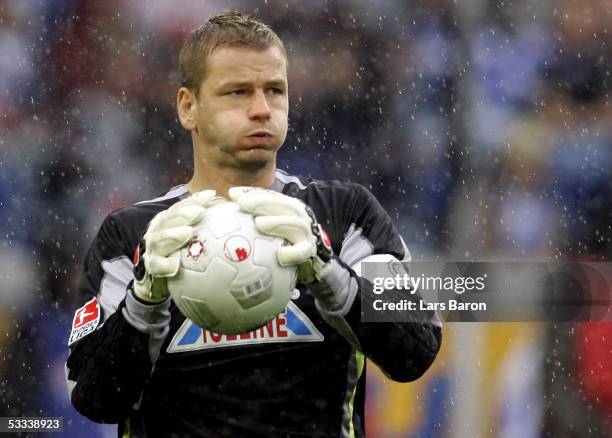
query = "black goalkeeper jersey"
x=156 y=374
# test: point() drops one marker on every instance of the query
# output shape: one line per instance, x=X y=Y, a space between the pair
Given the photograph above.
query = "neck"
x=222 y=179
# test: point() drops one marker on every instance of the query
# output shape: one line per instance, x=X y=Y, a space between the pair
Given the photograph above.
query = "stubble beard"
x=243 y=161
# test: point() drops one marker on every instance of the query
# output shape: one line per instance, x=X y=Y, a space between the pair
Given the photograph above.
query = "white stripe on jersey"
x=285 y=178
x=173 y=193
x=118 y=273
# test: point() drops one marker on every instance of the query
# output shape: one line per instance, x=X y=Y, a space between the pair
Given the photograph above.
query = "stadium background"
x=483 y=127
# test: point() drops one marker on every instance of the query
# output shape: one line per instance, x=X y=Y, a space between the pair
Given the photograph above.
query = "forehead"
x=245 y=64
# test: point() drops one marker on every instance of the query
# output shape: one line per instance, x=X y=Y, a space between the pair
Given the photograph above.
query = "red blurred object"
x=593 y=362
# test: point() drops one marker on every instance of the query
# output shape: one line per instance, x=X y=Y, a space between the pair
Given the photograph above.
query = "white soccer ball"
x=230 y=281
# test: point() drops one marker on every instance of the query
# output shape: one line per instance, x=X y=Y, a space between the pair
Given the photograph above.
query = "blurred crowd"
x=483 y=127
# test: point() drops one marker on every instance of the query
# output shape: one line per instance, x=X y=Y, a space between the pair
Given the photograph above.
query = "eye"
x=275 y=91
x=237 y=92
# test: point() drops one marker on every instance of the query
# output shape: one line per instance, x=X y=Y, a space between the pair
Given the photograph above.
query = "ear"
x=186 y=105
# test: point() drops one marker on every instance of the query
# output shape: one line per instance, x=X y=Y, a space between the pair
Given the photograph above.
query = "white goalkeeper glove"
x=289 y=218
x=157 y=257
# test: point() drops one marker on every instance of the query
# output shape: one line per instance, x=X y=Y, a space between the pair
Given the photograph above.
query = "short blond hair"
x=231 y=29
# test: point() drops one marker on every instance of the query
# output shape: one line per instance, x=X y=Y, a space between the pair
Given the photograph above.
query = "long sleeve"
x=403 y=350
x=111 y=360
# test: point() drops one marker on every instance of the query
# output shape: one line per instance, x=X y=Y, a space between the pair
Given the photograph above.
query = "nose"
x=259 y=107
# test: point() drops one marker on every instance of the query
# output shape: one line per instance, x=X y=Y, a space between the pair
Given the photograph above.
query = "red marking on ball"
x=195 y=249
x=237 y=248
x=241 y=253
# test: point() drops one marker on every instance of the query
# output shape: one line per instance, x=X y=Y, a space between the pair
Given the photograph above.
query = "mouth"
x=260 y=139
x=260 y=134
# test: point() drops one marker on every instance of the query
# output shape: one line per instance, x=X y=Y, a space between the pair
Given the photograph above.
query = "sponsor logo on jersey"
x=85 y=321
x=290 y=326
x=237 y=248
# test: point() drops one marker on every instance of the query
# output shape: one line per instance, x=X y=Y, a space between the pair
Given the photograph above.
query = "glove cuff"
x=335 y=291
x=319 y=265
x=324 y=248
x=139 y=264
x=143 y=291
x=142 y=286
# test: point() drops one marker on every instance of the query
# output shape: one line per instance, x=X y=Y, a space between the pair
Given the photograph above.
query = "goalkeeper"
x=134 y=360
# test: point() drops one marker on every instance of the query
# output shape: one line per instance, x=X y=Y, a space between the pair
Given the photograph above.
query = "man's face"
x=242 y=106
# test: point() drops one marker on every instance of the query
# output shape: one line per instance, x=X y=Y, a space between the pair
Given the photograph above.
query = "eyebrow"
x=230 y=83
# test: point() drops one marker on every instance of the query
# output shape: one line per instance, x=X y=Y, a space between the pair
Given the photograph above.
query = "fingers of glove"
x=162 y=266
x=236 y=193
x=167 y=240
x=260 y=201
x=291 y=228
x=202 y=198
x=267 y=202
x=175 y=216
x=295 y=254
x=179 y=217
x=239 y=195
x=199 y=199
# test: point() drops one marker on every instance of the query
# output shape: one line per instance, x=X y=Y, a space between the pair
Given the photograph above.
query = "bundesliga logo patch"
x=290 y=326
x=85 y=321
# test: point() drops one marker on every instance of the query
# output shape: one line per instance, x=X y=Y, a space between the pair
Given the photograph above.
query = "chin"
x=255 y=158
